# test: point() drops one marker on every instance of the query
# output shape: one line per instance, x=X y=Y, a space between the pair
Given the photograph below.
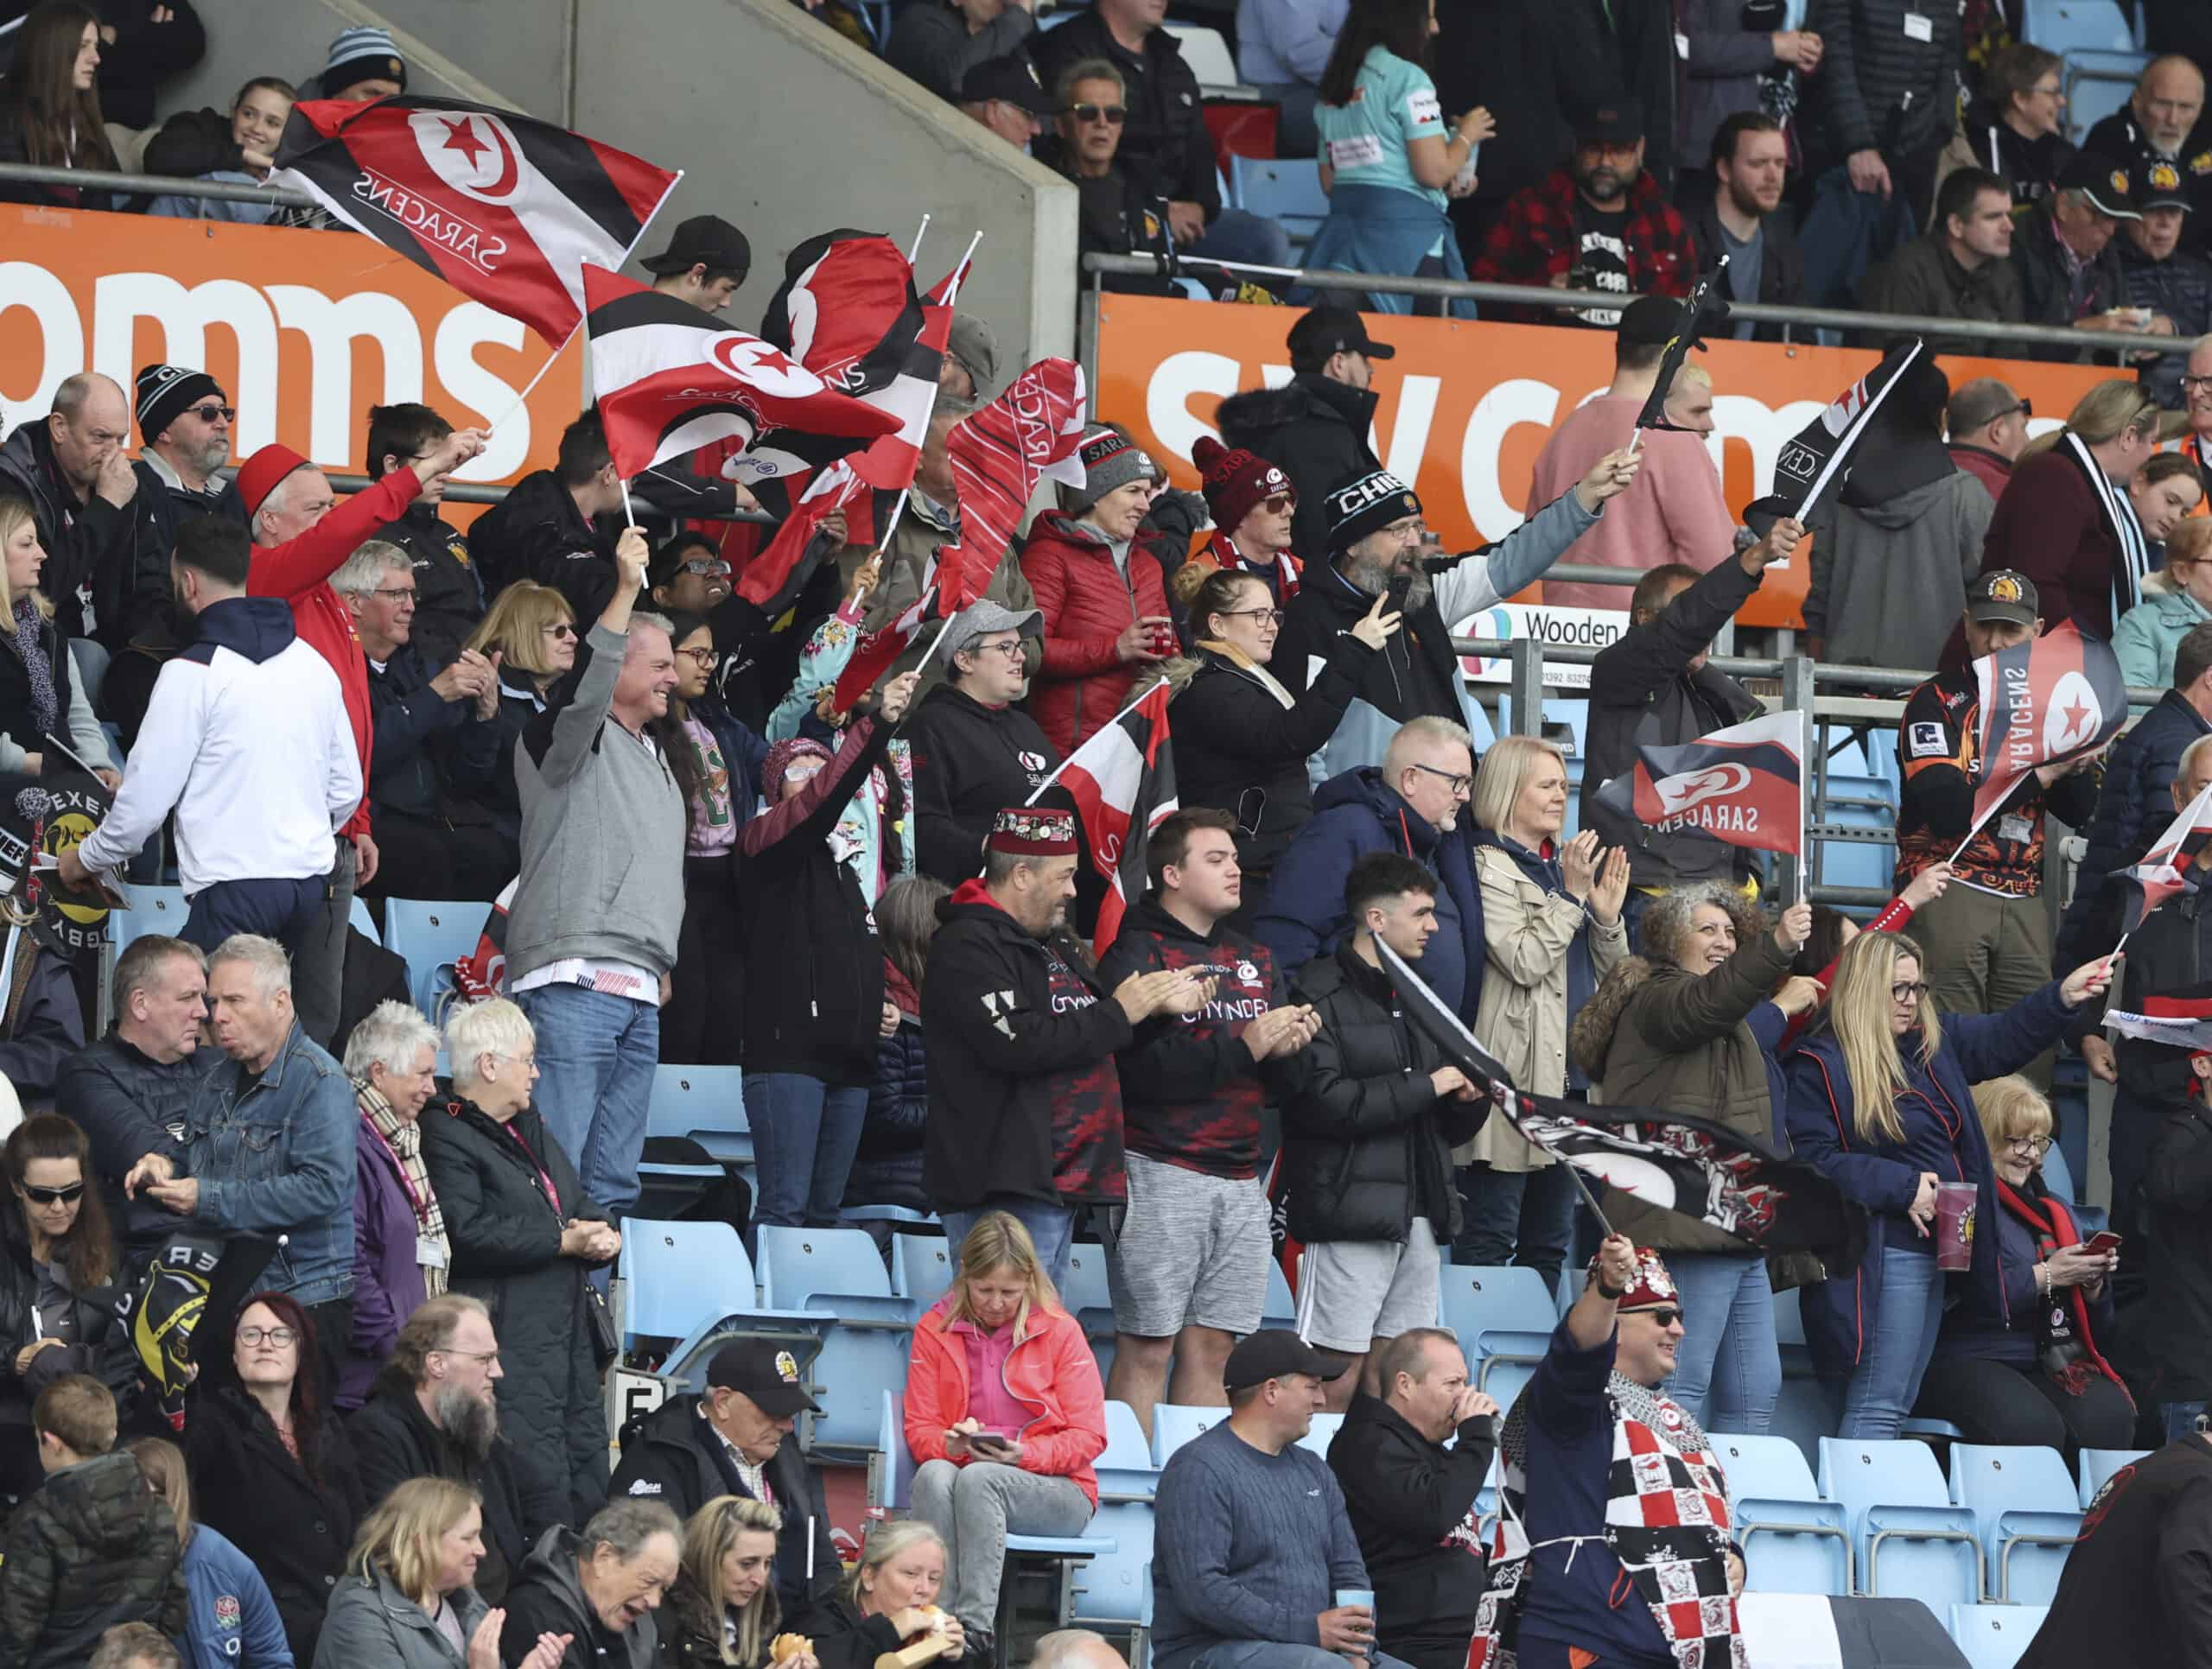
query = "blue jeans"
x=804 y=1135
x=595 y=1059
x=1728 y=1357
x=1268 y=1654
x=1900 y=1339
x=2178 y=1419
x=1052 y=1229
x=1239 y=235
x=1524 y=1217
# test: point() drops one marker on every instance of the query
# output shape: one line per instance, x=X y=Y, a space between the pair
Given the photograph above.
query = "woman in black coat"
x=524 y=1240
x=271 y=1466
x=534 y=633
x=887 y=1169
x=1241 y=739
x=39 y=692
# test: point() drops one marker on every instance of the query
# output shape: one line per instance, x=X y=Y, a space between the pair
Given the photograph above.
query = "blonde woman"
x=1005 y=1413
x=889 y=1600
x=532 y=630
x=233 y=1622
x=1879 y=1105
x=2029 y=1373
x=721 y=1609
x=407 y=1600
x=40 y=694
x=1552 y=930
x=2176 y=600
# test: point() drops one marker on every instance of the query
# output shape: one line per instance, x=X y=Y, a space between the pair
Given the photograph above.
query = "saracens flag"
x=2044 y=701
x=505 y=208
x=1743 y=785
x=1031 y=431
x=2163 y=870
x=1122 y=782
x=671 y=378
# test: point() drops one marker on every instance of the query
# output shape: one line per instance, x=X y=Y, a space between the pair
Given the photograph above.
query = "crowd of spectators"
x=395 y=1446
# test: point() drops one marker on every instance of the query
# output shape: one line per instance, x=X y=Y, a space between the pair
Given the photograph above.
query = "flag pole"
x=629 y=515
x=914 y=251
x=960 y=272
x=1109 y=724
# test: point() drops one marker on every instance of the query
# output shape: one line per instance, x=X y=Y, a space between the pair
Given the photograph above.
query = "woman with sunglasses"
x=716 y=760
x=2031 y=1373
x=59 y=1253
x=1879 y=1104
x=1241 y=738
x=533 y=632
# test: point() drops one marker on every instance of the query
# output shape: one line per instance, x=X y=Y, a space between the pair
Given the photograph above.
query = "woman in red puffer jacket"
x=1104 y=600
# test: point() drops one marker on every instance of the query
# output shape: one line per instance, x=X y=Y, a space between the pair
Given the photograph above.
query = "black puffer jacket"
x=129 y=1105
x=887 y=1165
x=1315 y=431
x=93 y=1548
x=1367 y=1145
x=506 y=1251
x=96 y=1342
x=537 y=533
x=295 y=1529
x=146 y=611
x=1880 y=87
x=1239 y=749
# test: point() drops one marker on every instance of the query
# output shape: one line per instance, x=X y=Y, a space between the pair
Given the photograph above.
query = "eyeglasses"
x=395 y=593
x=2037 y=1145
x=1459 y=784
x=710 y=567
x=1112 y=115
x=53 y=1195
x=2027 y=409
x=559 y=629
x=529 y=1062
x=279 y=1336
x=488 y=1357
x=1664 y=1318
x=2197 y=381
x=209 y=414
x=1275 y=615
x=1908 y=991
x=1012 y=650
x=704 y=657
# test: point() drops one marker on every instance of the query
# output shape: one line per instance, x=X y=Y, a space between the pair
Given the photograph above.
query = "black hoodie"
x=971 y=762
x=1315 y=431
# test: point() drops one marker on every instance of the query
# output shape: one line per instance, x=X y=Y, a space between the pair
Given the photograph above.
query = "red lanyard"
x=551 y=1192
x=422 y=1209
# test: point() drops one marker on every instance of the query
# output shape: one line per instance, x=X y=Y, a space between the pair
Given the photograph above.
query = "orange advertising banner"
x=304 y=330
x=1465 y=406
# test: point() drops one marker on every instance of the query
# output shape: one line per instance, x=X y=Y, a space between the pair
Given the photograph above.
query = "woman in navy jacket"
x=1881 y=1104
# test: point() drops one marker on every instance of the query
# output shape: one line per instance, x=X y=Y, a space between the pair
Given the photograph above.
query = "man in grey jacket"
x=592 y=931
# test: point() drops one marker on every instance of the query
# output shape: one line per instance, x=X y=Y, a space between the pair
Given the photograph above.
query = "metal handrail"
x=154 y=185
x=471 y=493
x=1762 y=313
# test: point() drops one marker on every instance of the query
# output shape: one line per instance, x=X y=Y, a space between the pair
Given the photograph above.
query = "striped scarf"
x=2132 y=565
x=404 y=1137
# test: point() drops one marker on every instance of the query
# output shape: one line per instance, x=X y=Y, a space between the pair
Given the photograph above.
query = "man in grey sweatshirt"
x=1252 y=1550
x=592 y=931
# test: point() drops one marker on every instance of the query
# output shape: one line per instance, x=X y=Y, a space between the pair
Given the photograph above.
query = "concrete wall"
x=780 y=124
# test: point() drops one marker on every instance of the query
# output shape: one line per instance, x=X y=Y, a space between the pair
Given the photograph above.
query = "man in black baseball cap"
x=1005 y=95
x=2069 y=272
x=705 y=262
x=729 y=1441
x=2174 y=283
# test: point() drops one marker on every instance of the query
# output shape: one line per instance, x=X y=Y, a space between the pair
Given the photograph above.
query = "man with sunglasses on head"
x=1986 y=426
x=449 y=593
x=1112 y=216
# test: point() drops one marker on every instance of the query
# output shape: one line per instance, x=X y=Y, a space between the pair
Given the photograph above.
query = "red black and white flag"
x=1743 y=785
x=878 y=652
x=672 y=379
x=505 y=208
x=1032 y=431
x=2164 y=869
x=1809 y=461
x=2050 y=699
x=1122 y=783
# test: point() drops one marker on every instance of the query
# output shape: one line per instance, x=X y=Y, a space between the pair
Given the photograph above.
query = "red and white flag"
x=1031 y=431
x=2050 y=699
x=1122 y=782
x=505 y=208
x=1742 y=785
x=671 y=378
x=878 y=652
x=2164 y=869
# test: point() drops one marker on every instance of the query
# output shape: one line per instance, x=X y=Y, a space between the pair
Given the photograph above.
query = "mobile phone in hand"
x=2102 y=1242
x=1394 y=595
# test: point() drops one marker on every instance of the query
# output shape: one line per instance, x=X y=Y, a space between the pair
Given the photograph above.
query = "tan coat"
x=1523 y=1017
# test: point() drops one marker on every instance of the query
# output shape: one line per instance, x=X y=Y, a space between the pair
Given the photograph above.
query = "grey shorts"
x=1352 y=1293
x=1192 y=1251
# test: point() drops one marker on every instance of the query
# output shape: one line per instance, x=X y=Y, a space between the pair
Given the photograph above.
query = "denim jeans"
x=1728 y=1368
x=804 y=1135
x=1524 y=1217
x=2179 y=1418
x=1052 y=1229
x=1900 y=1338
x=595 y=1059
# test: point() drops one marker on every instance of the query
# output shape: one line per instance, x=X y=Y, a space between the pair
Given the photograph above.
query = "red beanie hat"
x=1235 y=481
x=259 y=474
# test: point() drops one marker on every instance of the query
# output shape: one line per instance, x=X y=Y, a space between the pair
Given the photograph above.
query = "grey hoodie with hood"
x=1892 y=554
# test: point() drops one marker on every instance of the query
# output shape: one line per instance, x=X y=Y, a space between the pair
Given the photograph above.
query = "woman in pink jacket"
x=1005 y=1413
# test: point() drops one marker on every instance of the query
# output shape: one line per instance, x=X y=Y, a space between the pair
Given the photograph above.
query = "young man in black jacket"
x=1188 y=1264
x=449 y=596
x=1411 y=1500
x=1370 y=1115
x=545 y=528
x=1314 y=428
x=1020 y=1035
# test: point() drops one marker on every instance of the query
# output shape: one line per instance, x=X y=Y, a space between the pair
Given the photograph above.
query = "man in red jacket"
x=302 y=538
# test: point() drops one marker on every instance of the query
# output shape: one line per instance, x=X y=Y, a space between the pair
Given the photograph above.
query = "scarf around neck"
x=404 y=1137
x=1250 y=667
x=30 y=644
x=2065 y=1349
x=2133 y=564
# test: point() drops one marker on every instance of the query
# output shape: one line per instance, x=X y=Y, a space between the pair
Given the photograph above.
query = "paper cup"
x=1954 y=1204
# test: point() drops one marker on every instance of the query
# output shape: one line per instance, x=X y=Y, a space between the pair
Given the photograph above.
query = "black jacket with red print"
x=1534 y=241
x=1018 y=1050
x=1190 y=1087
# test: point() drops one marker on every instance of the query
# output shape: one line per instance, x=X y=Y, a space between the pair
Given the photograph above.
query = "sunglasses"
x=209 y=414
x=53 y=1195
x=1112 y=115
x=1665 y=1318
x=560 y=629
x=1278 y=503
x=709 y=566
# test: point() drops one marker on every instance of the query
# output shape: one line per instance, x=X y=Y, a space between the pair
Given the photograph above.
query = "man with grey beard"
x=434 y=1416
x=184 y=431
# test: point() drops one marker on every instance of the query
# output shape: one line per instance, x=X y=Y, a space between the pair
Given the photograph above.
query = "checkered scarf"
x=1666 y=1521
x=404 y=1137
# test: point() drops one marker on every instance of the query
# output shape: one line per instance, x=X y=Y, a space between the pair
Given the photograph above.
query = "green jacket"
x=92 y=1548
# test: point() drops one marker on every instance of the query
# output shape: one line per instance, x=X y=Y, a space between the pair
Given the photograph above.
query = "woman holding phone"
x=2030 y=1372
x=1005 y=1412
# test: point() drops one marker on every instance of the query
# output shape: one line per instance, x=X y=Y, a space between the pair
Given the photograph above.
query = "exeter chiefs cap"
x=2103 y=182
x=2003 y=598
x=765 y=1372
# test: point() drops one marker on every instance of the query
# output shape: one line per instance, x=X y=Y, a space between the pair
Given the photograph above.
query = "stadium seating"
x=1804 y=1412
x=707 y=1104
x=1112 y=1592
x=1174 y=1424
x=921 y=1269
x=1500 y=1316
x=1911 y=1542
x=1320 y=1434
x=2098 y=1464
x=1793 y=1541
x=1285 y=190
x=837 y=1275
x=1994 y=1636
x=678 y=1277
x=2026 y=1506
x=1207 y=54
x=152 y=910
x=2057 y=1176
x=430 y=936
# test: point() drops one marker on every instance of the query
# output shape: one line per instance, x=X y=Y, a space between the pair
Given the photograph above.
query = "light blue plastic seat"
x=1085 y=1295
x=1499 y=1315
x=838 y=1275
x=1911 y=1541
x=2057 y=1175
x=2098 y=1464
x=152 y=910
x=1111 y=1592
x=1173 y=1425
x=1319 y=1435
x=1286 y=190
x=677 y=1276
x=2027 y=1507
x=707 y=1105
x=430 y=936
x=1280 y=1309
x=1995 y=1636
x=1804 y=1412
x=367 y=923
x=1793 y=1541
x=921 y=1269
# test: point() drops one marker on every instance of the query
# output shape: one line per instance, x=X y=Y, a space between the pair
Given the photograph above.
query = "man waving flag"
x=2164 y=869
x=505 y=208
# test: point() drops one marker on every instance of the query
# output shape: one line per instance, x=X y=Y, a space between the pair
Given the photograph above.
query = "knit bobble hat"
x=1234 y=481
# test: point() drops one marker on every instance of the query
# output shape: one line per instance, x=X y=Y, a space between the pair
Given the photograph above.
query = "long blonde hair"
x=999 y=1241
x=1859 y=1014
x=708 y=1538
x=15 y=511
x=400 y=1538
